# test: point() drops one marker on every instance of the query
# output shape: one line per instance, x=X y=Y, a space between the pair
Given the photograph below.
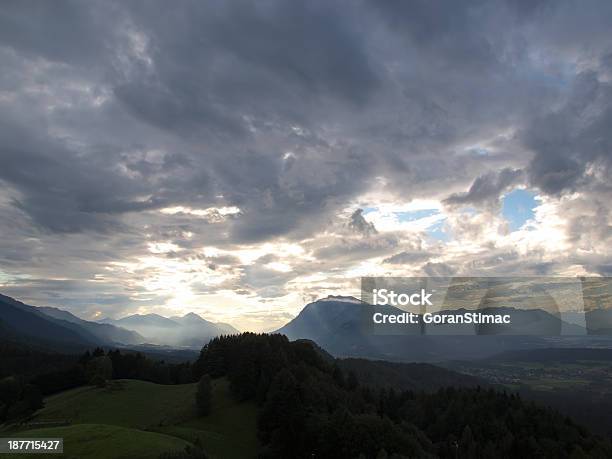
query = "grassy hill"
x=229 y=431
x=150 y=418
x=100 y=441
x=127 y=403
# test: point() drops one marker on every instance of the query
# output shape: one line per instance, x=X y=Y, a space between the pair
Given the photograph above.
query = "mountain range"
x=57 y=329
x=102 y=332
x=21 y=322
x=339 y=324
x=190 y=330
x=335 y=323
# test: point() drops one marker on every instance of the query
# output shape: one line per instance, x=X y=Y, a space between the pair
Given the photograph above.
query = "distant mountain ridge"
x=103 y=332
x=30 y=324
x=57 y=329
x=337 y=324
x=189 y=330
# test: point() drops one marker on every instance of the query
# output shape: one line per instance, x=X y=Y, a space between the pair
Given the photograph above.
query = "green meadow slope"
x=134 y=419
x=101 y=441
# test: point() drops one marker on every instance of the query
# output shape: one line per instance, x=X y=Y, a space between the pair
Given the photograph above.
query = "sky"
x=240 y=159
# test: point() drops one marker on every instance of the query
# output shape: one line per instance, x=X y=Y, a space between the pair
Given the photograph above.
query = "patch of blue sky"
x=439 y=231
x=518 y=207
x=368 y=210
x=430 y=220
x=413 y=215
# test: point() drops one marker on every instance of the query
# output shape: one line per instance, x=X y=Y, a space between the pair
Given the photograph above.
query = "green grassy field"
x=136 y=404
x=134 y=419
x=229 y=430
x=100 y=441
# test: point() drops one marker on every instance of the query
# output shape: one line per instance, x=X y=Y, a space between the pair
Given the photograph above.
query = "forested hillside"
x=311 y=408
x=300 y=401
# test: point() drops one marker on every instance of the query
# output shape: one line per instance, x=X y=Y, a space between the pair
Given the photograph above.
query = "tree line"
x=26 y=376
x=309 y=407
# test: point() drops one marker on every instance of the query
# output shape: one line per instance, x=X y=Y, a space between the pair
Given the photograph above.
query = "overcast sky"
x=239 y=159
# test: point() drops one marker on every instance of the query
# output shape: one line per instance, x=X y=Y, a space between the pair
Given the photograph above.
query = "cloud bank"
x=240 y=158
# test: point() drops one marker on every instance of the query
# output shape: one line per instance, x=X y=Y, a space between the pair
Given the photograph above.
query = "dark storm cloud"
x=60 y=189
x=568 y=140
x=231 y=87
x=444 y=29
x=208 y=81
x=65 y=31
x=291 y=112
x=215 y=63
x=487 y=188
x=278 y=201
x=222 y=76
x=360 y=225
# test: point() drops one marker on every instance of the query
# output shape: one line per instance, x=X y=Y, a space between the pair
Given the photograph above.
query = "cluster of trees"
x=135 y=365
x=18 y=398
x=26 y=375
x=309 y=407
x=97 y=367
x=16 y=359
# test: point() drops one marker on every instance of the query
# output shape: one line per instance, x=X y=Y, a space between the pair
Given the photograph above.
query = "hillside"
x=189 y=330
x=565 y=355
x=100 y=441
x=105 y=333
x=150 y=404
x=340 y=326
x=275 y=398
x=310 y=407
x=19 y=359
x=28 y=324
x=55 y=329
x=407 y=376
x=163 y=414
x=48 y=328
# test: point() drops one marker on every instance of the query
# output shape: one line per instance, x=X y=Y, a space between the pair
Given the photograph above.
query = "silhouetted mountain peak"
x=340 y=325
x=333 y=305
x=191 y=318
x=341 y=299
x=190 y=330
x=150 y=319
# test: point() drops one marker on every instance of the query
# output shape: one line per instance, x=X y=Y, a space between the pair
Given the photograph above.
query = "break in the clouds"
x=240 y=158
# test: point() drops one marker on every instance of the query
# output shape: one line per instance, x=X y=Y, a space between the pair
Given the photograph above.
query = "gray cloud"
x=568 y=140
x=355 y=249
x=360 y=225
x=291 y=112
x=438 y=269
x=487 y=188
x=408 y=257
